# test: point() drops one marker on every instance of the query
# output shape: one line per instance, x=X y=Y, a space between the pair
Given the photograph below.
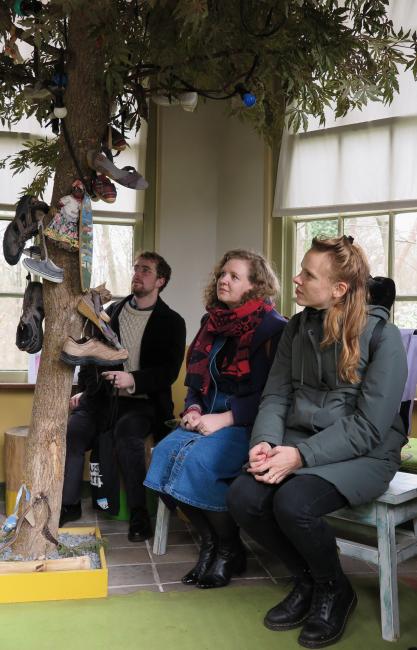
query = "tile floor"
x=133 y=566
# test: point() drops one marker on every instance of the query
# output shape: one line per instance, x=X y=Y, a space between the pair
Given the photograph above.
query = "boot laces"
x=323 y=598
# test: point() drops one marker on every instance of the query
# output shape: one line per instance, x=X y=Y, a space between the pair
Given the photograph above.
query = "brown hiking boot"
x=91 y=351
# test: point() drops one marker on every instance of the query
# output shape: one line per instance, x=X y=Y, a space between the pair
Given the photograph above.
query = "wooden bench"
x=397 y=505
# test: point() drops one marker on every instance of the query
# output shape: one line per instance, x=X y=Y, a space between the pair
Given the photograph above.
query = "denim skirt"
x=198 y=469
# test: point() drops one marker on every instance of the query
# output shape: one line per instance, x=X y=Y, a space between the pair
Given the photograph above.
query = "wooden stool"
x=14 y=458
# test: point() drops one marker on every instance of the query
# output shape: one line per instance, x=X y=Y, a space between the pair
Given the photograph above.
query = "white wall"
x=210 y=198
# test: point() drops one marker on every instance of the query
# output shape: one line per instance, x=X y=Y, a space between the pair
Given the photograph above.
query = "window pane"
x=371 y=233
x=406 y=253
x=112 y=257
x=12 y=278
x=11 y=357
x=306 y=230
x=405 y=314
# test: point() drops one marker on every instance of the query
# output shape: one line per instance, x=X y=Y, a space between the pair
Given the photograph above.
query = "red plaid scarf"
x=239 y=323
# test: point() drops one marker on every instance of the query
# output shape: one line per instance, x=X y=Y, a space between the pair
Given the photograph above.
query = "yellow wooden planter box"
x=57 y=585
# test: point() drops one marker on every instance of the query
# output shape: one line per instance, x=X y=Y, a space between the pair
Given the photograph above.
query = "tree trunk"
x=88 y=113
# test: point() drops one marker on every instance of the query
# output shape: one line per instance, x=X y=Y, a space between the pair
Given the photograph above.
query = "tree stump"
x=14 y=459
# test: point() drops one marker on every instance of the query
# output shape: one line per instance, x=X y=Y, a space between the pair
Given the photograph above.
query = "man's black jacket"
x=161 y=356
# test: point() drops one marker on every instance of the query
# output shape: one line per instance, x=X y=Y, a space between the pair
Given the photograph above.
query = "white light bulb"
x=60 y=111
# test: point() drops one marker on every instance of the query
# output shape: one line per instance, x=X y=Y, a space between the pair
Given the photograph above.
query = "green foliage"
x=91 y=546
x=41 y=154
x=298 y=57
x=323 y=228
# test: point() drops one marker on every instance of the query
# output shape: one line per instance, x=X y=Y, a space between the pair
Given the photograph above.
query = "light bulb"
x=60 y=111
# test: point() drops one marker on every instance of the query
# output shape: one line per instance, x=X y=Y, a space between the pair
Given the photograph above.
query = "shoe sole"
x=284 y=626
x=71 y=360
x=46 y=276
x=334 y=639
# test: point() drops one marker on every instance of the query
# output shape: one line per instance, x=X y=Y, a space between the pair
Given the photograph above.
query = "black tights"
x=287 y=519
x=209 y=523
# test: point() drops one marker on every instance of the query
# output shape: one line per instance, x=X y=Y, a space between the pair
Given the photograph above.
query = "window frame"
x=289 y=234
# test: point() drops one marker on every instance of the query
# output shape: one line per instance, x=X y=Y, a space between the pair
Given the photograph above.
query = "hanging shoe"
x=333 y=602
x=45 y=268
x=37 y=93
x=230 y=560
x=25 y=224
x=90 y=305
x=293 y=610
x=113 y=139
x=33 y=251
x=104 y=189
x=29 y=335
x=127 y=176
x=91 y=351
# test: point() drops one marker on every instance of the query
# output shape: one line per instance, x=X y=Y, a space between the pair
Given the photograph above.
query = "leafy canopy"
x=296 y=56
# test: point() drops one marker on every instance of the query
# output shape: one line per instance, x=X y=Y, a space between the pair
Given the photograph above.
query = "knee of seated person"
x=128 y=440
x=287 y=510
x=129 y=431
x=242 y=499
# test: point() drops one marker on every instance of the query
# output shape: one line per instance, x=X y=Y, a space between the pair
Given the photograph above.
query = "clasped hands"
x=272 y=464
x=206 y=424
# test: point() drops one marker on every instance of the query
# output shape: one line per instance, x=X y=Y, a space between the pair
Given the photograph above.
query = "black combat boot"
x=294 y=609
x=333 y=602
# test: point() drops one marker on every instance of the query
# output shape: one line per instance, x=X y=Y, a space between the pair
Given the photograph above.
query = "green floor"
x=224 y=619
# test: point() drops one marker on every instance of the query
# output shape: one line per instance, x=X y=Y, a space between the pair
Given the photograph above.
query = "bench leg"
x=161 y=529
x=388 y=585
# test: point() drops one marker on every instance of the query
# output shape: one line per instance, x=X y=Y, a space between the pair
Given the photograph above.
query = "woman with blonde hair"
x=327 y=435
x=227 y=366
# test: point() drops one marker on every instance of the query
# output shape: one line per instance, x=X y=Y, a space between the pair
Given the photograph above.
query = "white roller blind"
x=366 y=160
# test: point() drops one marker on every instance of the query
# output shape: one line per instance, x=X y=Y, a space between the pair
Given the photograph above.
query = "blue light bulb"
x=249 y=99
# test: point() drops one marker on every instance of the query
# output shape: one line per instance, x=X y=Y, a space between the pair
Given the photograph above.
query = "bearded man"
x=154 y=336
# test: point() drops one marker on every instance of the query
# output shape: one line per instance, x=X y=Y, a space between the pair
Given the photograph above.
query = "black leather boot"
x=332 y=604
x=230 y=560
x=208 y=541
x=206 y=557
x=293 y=610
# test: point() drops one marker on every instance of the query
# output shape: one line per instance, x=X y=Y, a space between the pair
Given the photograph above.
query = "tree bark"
x=88 y=114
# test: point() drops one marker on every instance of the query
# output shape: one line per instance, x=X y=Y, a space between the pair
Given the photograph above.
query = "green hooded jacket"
x=348 y=434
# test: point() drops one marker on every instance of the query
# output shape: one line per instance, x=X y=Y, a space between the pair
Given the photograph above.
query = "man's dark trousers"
x=132 y=425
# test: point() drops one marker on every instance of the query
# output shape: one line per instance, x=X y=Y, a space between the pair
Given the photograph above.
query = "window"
x=388 y=238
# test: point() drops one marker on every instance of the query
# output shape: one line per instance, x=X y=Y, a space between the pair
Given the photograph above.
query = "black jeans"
x=132 y=426
x=287 y=519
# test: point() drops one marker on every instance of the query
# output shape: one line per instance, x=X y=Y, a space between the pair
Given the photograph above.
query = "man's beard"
x=141 y=292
